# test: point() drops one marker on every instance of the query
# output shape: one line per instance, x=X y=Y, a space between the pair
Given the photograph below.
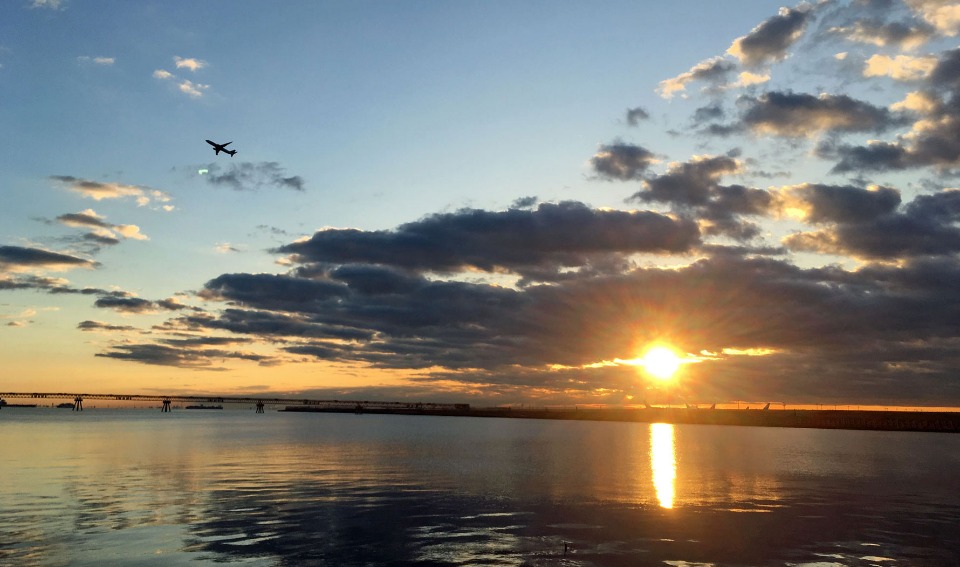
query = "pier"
x=880 y=420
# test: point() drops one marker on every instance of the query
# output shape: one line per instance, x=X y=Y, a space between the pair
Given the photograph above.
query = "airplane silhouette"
x=217 y=148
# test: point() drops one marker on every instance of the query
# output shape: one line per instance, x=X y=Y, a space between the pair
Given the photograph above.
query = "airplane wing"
x=225 y=145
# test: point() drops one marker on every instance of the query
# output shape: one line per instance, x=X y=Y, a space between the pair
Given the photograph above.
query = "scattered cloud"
x=100 y=228
x=769 y=42
x=567 y=234
x=48 y=4
x=189 y=63
x=248 y=176
x=104 y=327
x=193 y=89
x=99 y=191
x=715 y=71
x=802 y=115
x=942 y=15
x=21 y=259
x=900 y=68
x=880 y=34
x=106 y=61
x=622 y=161
x=636 y=115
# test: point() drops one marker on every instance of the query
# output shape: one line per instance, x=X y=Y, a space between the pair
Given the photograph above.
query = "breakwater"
x=933 y=421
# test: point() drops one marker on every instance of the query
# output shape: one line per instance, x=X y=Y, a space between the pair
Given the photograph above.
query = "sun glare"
x=661 y=362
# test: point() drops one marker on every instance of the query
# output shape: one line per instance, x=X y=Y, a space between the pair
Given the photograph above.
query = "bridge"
x=259 y=402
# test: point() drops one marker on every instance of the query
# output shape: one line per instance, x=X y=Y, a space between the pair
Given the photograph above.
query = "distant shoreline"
x=943 y=422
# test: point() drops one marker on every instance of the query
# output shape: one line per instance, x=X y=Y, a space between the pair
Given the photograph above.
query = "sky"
x=485 y=202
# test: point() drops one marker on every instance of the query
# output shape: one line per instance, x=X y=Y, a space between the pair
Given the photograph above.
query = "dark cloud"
x=925 y=227
x=762 y=319
x=562 y=234
x=621 y=161
x=636 y=115
x=716 y=72
x=709 y=113
x=524 y=203
x=797 y=115
x=935 y=141
x=248 y=176
x=694 y=187
x=876 y=156
x=842 y=203
x=769 y=41
x=688 y=183
x=180 y=356
x=124 y=303
x=877 y=32
x=100 y=326
x=13 y=258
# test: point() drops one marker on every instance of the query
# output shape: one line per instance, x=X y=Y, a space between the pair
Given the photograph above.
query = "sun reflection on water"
x=663 y=463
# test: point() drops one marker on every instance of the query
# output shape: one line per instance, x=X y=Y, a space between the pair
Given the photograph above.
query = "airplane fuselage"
x=217 y=148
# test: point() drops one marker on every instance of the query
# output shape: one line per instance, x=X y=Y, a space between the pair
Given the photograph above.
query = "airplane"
x=217 y=148
x=766 y=407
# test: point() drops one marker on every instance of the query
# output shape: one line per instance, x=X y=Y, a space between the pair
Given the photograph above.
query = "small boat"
x=65 y=405
x=201 y=406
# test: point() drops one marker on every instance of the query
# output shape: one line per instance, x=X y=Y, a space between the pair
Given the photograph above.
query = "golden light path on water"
x=663 y=463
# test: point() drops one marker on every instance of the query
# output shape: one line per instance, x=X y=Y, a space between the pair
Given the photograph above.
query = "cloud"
x=769 y=41
x=100 y=326
x=49 y=4
x=867 y=326
x=899 y=68
x=99 y=191
x=193 y=89
x=636 y=115
x=190 y=63
x=125 y=303
x=106 y=232
x=802 y=115
x=942 y=15
x=622 y=161
x=186 y=86
x=934 y=139
x=693 y=187
x=818 y=203
x=895 y=34
x=688 y=183
x=564 y=234
x=715 y=71
x=925 y=227
x=19 y=258
x=248 y=176
x=179 y=356
x=96 y=60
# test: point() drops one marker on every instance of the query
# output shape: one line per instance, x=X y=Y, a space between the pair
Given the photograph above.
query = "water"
x=138 y=487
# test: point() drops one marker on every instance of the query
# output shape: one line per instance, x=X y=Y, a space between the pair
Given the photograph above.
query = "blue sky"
x=486 y=217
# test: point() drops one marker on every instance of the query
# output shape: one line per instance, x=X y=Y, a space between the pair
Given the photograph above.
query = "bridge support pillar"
x=259 y=406
x=78 y=404
x=166 y=406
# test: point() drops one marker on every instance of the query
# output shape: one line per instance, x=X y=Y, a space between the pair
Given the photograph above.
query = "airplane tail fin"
x=231 y=152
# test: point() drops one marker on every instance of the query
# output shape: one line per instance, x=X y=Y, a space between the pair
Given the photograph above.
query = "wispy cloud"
x=99 y=191
x=105 y=61
x=189 y=63
x=48 y=4
x=186 y=86
x=248 y=176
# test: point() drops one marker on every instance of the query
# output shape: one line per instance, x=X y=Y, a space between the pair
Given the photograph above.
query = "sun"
x=660 y=362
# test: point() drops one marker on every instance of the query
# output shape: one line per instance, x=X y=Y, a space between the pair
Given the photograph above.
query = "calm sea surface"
x=138 y=487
